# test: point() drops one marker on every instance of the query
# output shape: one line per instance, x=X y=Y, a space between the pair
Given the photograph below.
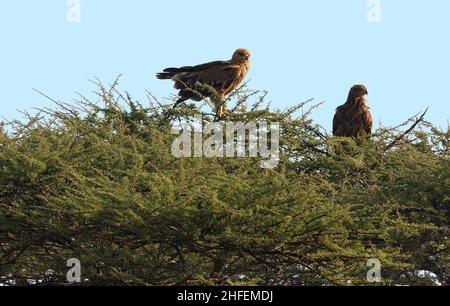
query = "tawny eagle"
x=353 y=119
x=223 y=76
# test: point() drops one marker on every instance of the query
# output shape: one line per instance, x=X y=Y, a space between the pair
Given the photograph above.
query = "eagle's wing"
x=169 y=73
x=338 y=122
x=368 y=122
x=221 y=77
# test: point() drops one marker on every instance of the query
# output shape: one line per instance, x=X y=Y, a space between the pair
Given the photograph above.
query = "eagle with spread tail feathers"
x=223 y=76
x=353 y=119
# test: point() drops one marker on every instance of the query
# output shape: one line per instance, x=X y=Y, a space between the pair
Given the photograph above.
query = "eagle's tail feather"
x=169 y=73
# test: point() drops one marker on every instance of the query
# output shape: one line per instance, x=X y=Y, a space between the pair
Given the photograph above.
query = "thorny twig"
x=399 y=138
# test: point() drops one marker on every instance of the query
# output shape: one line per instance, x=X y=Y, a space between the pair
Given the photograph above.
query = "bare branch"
x=399 y=138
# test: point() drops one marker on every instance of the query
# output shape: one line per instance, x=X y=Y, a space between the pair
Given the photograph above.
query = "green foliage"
x=98 y=182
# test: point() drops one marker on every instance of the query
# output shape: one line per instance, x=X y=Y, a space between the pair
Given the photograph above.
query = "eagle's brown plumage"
x=353 y=119
x=223 y=76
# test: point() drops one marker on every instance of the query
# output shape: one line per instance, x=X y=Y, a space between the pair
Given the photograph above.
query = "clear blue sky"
x=301 y=49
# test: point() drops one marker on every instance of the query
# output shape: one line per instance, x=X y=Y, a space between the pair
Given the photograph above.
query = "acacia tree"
x=97 y=181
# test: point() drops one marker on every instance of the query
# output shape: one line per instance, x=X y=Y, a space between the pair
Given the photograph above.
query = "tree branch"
x=399 y=138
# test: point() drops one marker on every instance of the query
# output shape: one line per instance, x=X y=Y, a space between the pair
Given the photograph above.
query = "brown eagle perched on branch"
x=353 y=119
x=195 y=82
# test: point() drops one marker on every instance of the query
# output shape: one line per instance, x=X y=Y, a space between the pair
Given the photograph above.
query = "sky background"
x=301 y=49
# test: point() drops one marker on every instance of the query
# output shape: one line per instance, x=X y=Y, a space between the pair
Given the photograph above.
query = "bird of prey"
x=195 y=82
x=353 y=119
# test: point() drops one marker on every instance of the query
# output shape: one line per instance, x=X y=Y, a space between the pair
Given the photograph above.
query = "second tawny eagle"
x=353 y=119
